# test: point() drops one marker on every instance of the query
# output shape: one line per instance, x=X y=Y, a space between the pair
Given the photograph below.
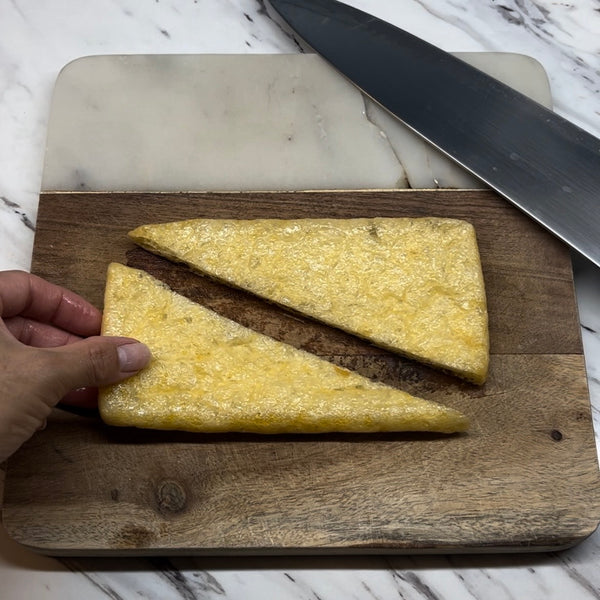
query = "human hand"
x=47 y=356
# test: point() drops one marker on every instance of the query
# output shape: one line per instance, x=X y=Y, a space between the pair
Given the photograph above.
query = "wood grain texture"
x=525 y=477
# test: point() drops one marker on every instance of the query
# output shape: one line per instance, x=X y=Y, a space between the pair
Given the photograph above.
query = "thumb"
x=96 y=361
x=35 y=379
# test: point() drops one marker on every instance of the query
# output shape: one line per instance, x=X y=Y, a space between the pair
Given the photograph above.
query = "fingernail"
x=133 y=357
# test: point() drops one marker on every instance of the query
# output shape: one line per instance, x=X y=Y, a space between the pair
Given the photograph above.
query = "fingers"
x=29 y=296
x=95 y=361
x=34 y=380
x=40 y=335
x=44 y=360
x=85 y=398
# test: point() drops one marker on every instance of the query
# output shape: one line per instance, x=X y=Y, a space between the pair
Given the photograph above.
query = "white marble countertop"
x=37 y=39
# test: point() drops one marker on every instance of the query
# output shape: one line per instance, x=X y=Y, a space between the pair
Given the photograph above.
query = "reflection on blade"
x=542 y=163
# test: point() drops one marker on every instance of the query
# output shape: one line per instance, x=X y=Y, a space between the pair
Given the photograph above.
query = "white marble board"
x=241 y=122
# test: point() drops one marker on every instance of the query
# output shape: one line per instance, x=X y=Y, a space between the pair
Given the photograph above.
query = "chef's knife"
x=541 y=162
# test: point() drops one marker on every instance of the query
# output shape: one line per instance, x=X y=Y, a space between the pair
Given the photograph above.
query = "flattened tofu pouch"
x=412 y=285
x=210 y=374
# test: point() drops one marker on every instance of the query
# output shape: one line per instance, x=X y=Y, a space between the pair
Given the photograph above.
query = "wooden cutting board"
x=525 y=477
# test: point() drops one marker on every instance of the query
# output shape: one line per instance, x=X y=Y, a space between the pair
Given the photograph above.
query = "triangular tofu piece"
x=414 y=286
x=211 y=374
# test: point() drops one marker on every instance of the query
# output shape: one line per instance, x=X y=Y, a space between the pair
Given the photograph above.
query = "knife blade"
x=539 y=161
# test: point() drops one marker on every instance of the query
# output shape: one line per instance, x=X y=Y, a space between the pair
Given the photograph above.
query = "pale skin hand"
x=50 y=352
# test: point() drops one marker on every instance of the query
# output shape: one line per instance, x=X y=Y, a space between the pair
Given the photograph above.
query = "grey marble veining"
x=38 y=38
x=241 y=122
x=211 y=122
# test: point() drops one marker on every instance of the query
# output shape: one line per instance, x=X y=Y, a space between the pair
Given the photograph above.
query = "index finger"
x=33 y=297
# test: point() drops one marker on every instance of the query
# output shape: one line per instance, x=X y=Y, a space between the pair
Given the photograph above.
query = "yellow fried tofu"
x=411 y=285
x=210 y=374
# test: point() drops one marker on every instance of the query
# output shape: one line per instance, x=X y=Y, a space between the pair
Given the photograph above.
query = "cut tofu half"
x=412 y=285
x=210 y=374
